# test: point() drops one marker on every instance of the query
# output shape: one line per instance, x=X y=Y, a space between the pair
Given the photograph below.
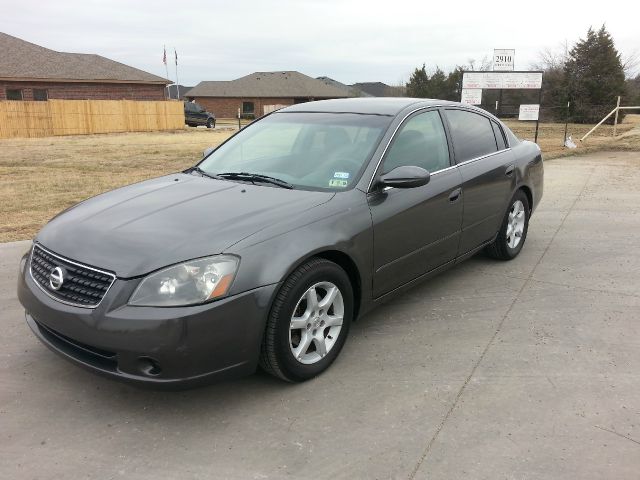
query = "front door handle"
x=509 y=171
x=455 y=195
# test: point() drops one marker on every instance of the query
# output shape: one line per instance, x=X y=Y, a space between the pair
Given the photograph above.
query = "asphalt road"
x=528 y=369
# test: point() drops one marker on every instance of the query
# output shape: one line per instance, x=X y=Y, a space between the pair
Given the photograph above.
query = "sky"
x=349 y=40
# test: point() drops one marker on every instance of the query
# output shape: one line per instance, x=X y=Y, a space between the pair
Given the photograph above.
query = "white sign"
x=503 y=59
x=529 y=112
x=504 y=80
x=471 y=96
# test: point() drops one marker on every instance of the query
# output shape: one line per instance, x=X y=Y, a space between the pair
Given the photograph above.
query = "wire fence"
x=232 y=123
x=567 y=112
x=560 y=121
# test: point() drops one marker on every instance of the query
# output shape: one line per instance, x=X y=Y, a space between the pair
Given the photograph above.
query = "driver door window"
x=421 y=142
x=416 y=230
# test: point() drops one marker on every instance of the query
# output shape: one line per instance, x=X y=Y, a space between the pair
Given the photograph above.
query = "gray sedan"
x=266 y=251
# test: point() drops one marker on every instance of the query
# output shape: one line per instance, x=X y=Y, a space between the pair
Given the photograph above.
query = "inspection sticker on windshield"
x=341 y=175
x=338 y=183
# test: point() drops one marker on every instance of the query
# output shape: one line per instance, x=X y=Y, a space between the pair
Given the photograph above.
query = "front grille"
x=82 y=286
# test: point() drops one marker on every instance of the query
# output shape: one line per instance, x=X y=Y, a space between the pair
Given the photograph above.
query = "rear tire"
x=513 y=231
x=308 y=323
x=211 y=123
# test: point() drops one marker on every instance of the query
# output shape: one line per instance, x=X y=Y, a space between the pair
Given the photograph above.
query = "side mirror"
x=207 y=151
x=405 y=177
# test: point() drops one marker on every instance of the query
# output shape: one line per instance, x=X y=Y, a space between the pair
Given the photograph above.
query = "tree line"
x=588 y=77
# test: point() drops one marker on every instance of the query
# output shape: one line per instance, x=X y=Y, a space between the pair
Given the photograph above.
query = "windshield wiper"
x=202 y=172
x=255 y=177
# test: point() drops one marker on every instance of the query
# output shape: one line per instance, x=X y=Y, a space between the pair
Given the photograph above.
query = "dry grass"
x=40 y=177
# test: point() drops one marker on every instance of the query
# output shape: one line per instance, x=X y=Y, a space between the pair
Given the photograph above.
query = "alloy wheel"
x=515 y=224
x=316 y=322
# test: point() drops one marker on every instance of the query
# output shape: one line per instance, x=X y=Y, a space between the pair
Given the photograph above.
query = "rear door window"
x=472 y=135
x=499 y=136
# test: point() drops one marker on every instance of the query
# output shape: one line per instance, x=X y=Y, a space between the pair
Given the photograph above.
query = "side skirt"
x=426 y=276
x=472 y=252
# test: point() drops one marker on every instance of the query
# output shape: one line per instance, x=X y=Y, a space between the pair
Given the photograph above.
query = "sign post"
x=508 y=80
x=503 y=59
x=529 y=112
x=471 y=96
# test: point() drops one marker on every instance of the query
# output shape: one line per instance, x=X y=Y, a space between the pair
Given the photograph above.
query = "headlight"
x=188 y=283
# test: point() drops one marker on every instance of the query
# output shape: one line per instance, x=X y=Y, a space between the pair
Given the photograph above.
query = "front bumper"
x=172 y=347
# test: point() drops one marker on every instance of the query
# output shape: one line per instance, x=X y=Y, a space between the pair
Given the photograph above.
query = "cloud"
x=349 y=40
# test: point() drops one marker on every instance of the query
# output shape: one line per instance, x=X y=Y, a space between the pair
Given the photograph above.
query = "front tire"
x=513 y=231
x=211 y=123
x=308 y=322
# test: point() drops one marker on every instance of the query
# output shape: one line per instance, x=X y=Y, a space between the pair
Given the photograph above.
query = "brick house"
x=31 y=72
x=260 y=93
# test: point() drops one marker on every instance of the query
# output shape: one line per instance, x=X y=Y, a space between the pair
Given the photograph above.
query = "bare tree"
x=630 y=64
x=552 y=58
x=483 y=65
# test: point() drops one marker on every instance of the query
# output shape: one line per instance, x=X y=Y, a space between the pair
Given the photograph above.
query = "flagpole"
x=177 y=81
x=166 y=67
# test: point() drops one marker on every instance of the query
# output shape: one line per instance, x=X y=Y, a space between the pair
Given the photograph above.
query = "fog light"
x=149 y=366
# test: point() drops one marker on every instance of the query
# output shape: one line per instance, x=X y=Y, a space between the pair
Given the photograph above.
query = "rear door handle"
x=509 y=171
x=455 y=195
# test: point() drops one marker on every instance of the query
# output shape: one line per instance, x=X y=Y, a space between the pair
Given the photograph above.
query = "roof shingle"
x=379 y=89
x=20 y=59
x=269 y=84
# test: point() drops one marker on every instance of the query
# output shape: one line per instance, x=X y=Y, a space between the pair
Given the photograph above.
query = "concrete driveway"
x=527 y=369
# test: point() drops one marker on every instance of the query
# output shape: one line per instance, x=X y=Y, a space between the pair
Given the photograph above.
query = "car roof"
x=369 y=105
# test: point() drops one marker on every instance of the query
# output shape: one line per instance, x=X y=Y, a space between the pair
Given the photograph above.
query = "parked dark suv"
x=195 y=115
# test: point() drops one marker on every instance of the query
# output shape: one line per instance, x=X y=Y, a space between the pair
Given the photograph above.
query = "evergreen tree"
x=418 y=85
x=438 y=85
x=594 y=75
x=454 y=84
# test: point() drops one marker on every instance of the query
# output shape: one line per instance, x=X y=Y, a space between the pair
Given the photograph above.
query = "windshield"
x=316 y=151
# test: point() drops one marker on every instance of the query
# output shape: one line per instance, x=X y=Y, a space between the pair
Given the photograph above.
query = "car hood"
x=146 y=226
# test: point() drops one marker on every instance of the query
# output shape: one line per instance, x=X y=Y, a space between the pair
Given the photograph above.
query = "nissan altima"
x=265 y=251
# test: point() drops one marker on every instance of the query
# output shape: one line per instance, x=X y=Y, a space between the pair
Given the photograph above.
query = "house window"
x=247 y=108
x=40 y=94
x=14 y=94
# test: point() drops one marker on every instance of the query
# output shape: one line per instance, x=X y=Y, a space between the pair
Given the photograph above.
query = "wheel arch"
x=527 y=191
x=344 y=261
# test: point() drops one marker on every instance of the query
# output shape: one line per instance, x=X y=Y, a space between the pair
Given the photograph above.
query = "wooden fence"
x=80 y=117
